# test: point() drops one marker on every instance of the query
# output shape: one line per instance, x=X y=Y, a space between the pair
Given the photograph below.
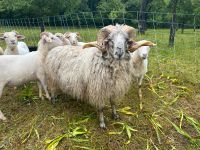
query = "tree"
x=173 y=4
x=143 y=15
x=113 y=8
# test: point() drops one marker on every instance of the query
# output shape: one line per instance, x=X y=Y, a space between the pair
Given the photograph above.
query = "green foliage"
x=110 y=7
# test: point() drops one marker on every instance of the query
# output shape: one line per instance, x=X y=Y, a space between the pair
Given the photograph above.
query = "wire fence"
x=181 y=59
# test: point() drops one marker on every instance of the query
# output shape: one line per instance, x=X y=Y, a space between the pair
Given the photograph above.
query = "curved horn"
x=91 y=44
x=102 y=36
x=136 y=45
x=130 y=31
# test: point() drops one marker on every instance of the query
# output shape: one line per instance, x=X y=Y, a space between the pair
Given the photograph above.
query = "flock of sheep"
x=97 y=72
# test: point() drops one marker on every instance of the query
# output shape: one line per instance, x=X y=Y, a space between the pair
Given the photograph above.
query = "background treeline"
x=104 y=12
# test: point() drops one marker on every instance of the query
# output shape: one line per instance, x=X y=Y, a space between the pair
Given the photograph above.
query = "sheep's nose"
x=119 y=52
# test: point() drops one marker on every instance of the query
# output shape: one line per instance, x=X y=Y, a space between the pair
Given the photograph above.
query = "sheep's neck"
x=43 y=50
x=13 y=49
x=137 y=60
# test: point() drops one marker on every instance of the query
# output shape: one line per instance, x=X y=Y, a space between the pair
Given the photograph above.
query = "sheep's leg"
x=101 y=118
x=2 y=117
x=52 y=88
x=53 y=99
x=140 y=90
x=42 y=80
x=1 y=88
x=114 y=112
x=40 y=90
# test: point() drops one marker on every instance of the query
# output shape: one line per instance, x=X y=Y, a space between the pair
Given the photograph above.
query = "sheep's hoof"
x=53 y=100
x=102 y=125
x=41 y=97
x=141 y=106
x=4 y=119
x=115 y=116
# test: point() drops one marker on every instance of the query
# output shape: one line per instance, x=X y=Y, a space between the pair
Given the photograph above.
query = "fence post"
x=42 y=28
x=172 y=27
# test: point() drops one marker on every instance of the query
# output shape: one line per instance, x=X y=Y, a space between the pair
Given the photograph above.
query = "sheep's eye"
x=52 y=38
x=4 y=37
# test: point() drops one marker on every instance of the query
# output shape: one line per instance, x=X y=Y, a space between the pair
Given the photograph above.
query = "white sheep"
x=19 y=69
x=140 y=63
x=62 y=38
x=13 y=46
x=74 y=38
x=1 y=51
x=96 y=75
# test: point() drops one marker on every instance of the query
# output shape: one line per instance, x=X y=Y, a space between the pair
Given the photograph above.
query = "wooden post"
x=42 y=28
x=173 y=23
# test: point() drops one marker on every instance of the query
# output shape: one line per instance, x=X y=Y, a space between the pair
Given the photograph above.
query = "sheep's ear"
x=2 y=36
x=20 y=37
x=45 y=37
x=66 y=35
x=59 y=34
x=78 y=35
x=135 y=45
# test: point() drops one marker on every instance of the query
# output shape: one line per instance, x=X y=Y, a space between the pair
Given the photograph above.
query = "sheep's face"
x=11 y=38
x=117 y=45
x=62 y=38
x=143 y=52
x=51 y=40
x=73 y=38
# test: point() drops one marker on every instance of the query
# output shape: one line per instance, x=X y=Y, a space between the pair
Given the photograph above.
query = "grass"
x=169 y=119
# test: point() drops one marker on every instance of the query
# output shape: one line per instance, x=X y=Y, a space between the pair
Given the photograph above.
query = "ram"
x=99 y=74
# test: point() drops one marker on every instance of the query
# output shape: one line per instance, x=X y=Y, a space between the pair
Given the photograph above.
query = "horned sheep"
x=98 y=74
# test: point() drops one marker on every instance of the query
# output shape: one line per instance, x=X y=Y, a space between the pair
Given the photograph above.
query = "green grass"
x=169 y=119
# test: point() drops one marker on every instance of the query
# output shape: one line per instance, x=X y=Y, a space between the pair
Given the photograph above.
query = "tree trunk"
x=182 y=28
x=142 y=16
x=173 y=23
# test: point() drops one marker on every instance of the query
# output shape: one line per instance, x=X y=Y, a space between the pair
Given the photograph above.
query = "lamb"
x=62 y=38
x=13 y=46
x=19 y=69
x=1 y=51
x=140 y=62
x=101 y=73
x=74 y=38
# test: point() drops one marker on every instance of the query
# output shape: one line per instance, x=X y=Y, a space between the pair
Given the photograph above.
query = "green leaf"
x=114 y=133
x=126 y=111
x=194 y=123
x=80 y=140
x=54 y=143
x=37 y=134
x=83 y=147
x=181 y=131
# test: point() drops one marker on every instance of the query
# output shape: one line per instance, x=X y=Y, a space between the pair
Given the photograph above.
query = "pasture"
x=169 y=119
